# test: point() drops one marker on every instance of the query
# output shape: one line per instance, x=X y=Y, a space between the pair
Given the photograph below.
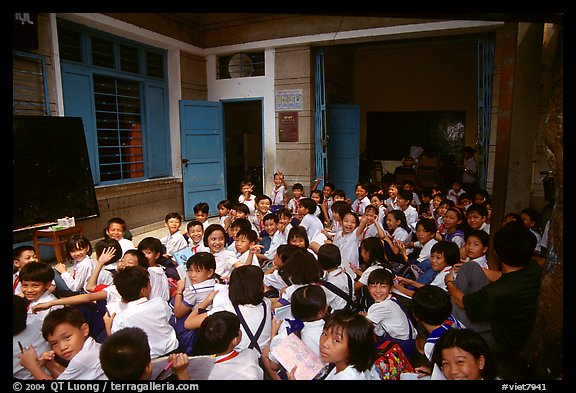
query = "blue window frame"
x=119 y=88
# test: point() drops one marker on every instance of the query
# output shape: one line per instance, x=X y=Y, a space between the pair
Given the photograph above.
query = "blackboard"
x=51 y=171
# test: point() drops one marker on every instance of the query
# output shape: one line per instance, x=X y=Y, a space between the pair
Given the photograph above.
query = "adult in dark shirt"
x=509 y=302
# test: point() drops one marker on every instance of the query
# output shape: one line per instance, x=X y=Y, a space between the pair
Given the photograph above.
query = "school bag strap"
x=339 y=292
x=253 y=337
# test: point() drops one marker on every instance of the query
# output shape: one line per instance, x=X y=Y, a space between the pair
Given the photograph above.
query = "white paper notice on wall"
x=289 y=100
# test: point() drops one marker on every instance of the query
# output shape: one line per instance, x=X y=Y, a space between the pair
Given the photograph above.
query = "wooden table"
x=55 y=239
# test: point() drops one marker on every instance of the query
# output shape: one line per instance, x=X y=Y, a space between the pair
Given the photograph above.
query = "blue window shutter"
x=78 y=102
x=157 y=134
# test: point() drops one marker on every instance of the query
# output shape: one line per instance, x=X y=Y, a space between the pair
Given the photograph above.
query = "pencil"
x=163 y=370
x=21 y=347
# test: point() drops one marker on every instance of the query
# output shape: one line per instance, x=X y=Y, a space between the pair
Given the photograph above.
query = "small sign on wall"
x=289 y=100
x=288 y=126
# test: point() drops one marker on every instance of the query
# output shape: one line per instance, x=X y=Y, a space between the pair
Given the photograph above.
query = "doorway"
x=243 y=135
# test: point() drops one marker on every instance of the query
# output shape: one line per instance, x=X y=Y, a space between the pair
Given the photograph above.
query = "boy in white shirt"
x=246 y=239
x=278 y=194
x=294 y=203
x=195 y=232
x=201 y=211
x=116 y=229
x=36 y=279
x=151 y=315
x=277 y=238
x=309 y=221
x=404 y=201
x=174 y=241
x=67 y=335
x=362 y=200
x=246 y=197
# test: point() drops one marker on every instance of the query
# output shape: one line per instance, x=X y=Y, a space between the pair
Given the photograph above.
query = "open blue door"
x=343 y=129
x=203 y=158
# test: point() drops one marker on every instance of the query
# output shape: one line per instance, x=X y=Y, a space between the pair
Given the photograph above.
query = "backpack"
x=351 y=304
x=391 y=361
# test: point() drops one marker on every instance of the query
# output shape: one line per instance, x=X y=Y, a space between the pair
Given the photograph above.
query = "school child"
x=328 y=199
x=464 y=201
x=361 y=200
x=337 y=283
x=21 y=255
x=159 y=283
x=285 y=221
x=425 y=196
x=237 y=225
x=153 y=249
x=398 y=233
x=79 y=249
x=108 y=253
x=195 y=236
x=278 y=194
x=455 y=191
x=338 y=208
x=308 y=308
x=262 y=203
x=531 y=219
x=301 y=268
x=174 y=241
x=125 y=355
x=372 y=257
x=215 y=240
x=431 y=308
x=201 y=211
x=294 y=202
x=309 y=221
x=36 y=279
x=321 y=211
x=426 y=238
x=244 y=297
x=277 y=238
x=67 y=334
x=403 y=201
x=197 y=283
x=389 y=319
x=26 y=332
x=439 y=214
x=246 y=240
x=224 y=207
x=451 y=222
x=443 y=256
x=150 y=314
x=246 y=197
x=274 y=277
x=298 y=237
x=415 y=202
x=220 y=335
x=347 y=342
x=348 y=241
x=116 y=229
x=462 y=354
x=476 y=217
x=372 y=226
x=434 y=203
x=377 y=199
x=392 y=195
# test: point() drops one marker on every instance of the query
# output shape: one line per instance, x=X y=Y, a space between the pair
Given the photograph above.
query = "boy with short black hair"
x=294 y=202
x=67 y=334
x=21 y=256
x=201 y=211
x=125 y=355
x=116 y=229
x=36 y=279
x=309 y=221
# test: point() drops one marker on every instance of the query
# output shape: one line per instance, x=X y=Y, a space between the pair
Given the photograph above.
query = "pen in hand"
x=21 y=347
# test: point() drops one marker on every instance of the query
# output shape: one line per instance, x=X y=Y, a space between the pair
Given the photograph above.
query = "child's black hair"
x=329 y=256
x=36 y=271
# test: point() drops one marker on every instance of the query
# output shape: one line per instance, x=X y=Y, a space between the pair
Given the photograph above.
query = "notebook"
x=199 y=367
x=181 y=256
x=293 y=352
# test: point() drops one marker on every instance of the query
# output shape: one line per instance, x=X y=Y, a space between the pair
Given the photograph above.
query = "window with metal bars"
x=118 y=128
x=241 y=65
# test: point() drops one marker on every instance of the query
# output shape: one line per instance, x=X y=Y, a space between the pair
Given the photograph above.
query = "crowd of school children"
x=342 y=274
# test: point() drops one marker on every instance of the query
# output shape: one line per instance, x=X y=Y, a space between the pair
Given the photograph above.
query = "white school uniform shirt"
x=31 y=335
x=310 y=336
x=349 y=373
x=250 y=202
x=126 y=245
x=237 y=365
x=287 y=230
x=244 y=256
x=411 y=217
x=152 y=316
x=81 y=272
x=294 y=204
x=439 y=278
x=359 y=205
x=86 y=364
x=348 y=245
x=277 y=195
x=196 y=248
x=364 y=277
x=381 y=215
x=193 y=294
x=453 y=195
x=105 y=275
x=252 y=314
x=174 y=242
x=426 y=249
x=369 y=231
x=400 y=234
x=391 y=204
x=114 y=303
x=312 y=224
x=274 y=280
x=276 y=241
x=47 y=296
x=159 y=283
x=388 y=317
x=225 y=260
x=339 y=278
